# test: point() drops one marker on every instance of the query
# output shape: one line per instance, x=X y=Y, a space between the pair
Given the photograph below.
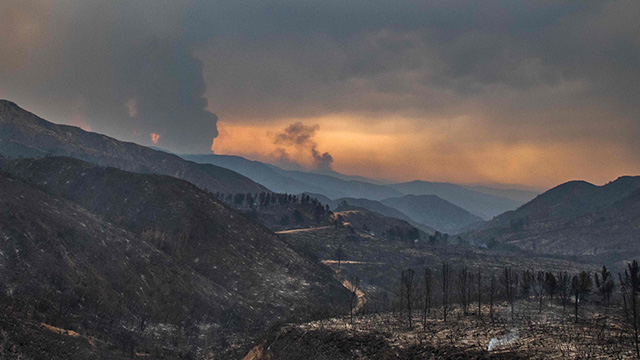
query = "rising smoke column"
x=128 y=65
x=300 y=137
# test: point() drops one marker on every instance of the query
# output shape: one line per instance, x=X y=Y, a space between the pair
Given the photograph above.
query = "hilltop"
x=23 y=134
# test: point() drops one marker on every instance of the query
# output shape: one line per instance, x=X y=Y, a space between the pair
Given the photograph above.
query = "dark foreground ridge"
x=144 y=263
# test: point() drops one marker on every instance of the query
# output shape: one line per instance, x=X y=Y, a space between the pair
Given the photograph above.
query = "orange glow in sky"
x=399 y=151
x=155 y=137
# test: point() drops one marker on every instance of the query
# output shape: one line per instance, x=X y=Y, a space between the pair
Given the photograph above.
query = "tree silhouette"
x=580 y=287
x=632 y=277
x=604 y=284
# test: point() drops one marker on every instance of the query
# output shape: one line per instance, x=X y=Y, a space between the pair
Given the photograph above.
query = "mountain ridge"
x=24 y=134
x=433 y=211
x=573 y=218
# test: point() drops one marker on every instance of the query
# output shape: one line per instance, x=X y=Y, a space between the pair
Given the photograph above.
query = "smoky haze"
x=122 y=68
x=539 y=87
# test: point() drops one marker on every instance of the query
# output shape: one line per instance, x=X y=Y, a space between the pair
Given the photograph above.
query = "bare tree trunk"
x=427 y=297
x=402 y=294
x=479 y=289
x=510 y=283
x=410 y=289
x=623 y=290
x=635 y=319
x=445 y=289
x=633 y=280
x=491 y=295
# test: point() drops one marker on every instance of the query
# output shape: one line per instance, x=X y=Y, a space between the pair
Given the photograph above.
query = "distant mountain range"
x=296 y=182
x=478 y=203
x=484 y=202
x=343 y=204
x=433 y=211
x=23 y=134
x=575 y=218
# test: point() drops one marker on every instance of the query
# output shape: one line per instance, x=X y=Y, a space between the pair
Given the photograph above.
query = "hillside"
x=23 y=134
x=295 y=182
x=372 y=223
x=478 y=203
x=570 y=200
x=256 y=171
x=378 y=207
x=575 y=218
x=185 y=257
x=377 y=261
x=518 y=195
x=433 y=212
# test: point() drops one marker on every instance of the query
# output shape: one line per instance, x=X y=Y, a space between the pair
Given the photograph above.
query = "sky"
x=495 y=92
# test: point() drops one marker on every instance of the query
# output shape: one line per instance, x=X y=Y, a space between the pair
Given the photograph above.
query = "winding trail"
x=361 y=298
x=302 y=230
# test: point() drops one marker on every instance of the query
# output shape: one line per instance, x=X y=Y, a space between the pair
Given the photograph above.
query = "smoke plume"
x=301 y=138
x=131 y=63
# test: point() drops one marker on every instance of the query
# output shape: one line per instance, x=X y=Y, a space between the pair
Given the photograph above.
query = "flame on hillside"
x=155 y=137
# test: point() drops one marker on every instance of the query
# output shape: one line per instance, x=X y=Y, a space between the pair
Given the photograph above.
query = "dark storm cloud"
x=427 y=58
x=128 y=69
x=531 y=69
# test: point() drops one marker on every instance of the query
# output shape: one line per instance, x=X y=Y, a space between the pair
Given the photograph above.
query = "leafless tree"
x=462 y=286
x=479 y=290
x=632 y=277
x=410 y=287
x=580 y=287
x=509 y=283
x=605 y=285
x=550 y=285
x=537 y=285
x=624 y=287
x=446 y=273
x=526 y=283
x=564 y=289
x=401 y=303
x=426 y=306
x=492 y=293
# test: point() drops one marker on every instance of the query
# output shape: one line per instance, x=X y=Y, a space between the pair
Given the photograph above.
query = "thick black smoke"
x=127 y=68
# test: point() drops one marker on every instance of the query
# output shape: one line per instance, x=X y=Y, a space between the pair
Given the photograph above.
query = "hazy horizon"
x=534 y=93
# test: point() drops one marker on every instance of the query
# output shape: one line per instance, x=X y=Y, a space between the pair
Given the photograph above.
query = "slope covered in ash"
x=344 y=204
x=23 y=134
x=372 y=223
x=575 y=218
x=186 y=258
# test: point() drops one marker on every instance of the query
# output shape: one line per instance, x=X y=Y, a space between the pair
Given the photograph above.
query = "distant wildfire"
x=155 y=137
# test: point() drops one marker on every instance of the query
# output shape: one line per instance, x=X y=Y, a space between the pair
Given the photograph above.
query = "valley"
x=115 y=250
